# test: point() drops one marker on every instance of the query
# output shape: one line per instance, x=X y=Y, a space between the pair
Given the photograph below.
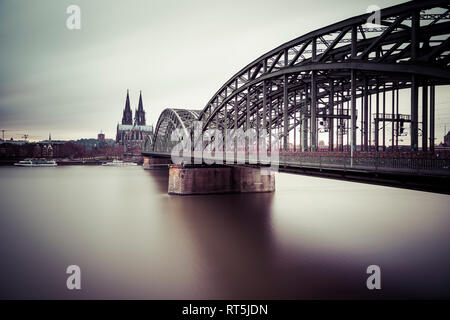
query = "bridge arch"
x=328 y=79
x=170 y=120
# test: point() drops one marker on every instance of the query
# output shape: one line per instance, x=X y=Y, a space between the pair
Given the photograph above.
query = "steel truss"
x=313 y=83
x=170 y=120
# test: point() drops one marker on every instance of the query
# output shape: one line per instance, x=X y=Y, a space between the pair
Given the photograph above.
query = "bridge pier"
x=190 y=180
x=155 y=163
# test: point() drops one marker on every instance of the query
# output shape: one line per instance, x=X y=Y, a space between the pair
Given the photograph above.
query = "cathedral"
x=132 y=134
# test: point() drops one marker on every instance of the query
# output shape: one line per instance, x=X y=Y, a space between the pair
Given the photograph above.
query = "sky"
x=73 y=83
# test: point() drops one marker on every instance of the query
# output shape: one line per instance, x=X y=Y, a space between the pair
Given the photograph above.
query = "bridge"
x=340 y=84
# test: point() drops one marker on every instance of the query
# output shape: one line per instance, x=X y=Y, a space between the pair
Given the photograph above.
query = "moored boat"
x=119 y=163
x=41 y=162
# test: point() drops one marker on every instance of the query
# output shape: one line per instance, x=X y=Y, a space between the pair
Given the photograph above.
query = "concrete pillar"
x=154 y=163
x=190 y=180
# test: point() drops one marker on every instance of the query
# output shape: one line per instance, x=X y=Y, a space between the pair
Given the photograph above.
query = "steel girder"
x=170 y=120
x=311 y=77
x=322 y=74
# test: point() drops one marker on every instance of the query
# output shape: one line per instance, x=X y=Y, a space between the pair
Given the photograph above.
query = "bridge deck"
x=415 y=166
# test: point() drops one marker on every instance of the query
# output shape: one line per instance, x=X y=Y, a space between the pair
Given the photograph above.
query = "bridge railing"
x=340 y=162
x=368 y=163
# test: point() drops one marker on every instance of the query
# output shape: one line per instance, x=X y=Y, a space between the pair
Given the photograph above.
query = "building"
x=447 y=139
x=101 y=136
x=132 y=135
x=46 y=148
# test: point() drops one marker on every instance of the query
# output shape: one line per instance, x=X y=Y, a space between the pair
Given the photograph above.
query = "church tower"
x=139 y=117
x=127 y=117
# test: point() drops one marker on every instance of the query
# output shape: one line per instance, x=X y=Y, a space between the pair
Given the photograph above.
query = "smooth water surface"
x=312 y=238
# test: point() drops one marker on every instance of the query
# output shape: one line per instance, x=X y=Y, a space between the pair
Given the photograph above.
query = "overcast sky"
x=73 y=83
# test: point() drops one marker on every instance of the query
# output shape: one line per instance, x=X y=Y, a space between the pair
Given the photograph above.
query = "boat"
x=119 y=163
x=41 y=162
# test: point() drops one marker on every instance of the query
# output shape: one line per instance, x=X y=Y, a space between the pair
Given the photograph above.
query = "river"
x=312 y=238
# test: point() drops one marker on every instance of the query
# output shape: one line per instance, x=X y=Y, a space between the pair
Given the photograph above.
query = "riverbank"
x=62 y=162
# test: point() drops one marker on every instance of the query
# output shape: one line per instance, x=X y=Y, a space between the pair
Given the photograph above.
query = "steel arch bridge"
x=170 y=120
x=342 y=79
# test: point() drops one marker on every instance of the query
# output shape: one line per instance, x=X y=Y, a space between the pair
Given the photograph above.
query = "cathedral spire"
x=140 y=106
x=127 y=102
x=140 y=113
x=127 y=117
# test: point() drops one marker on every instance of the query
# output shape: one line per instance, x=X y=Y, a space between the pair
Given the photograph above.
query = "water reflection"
x=309 y=239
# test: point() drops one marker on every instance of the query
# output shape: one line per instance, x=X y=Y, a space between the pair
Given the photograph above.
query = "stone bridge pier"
x=210 y=179
x=189 y=180
x=156 y=163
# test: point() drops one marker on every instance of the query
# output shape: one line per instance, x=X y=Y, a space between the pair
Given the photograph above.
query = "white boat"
x=119 y=163
x=41 y=162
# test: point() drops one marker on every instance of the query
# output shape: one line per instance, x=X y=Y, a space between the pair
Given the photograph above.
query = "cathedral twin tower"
x=139 y=116
x=133 y=135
